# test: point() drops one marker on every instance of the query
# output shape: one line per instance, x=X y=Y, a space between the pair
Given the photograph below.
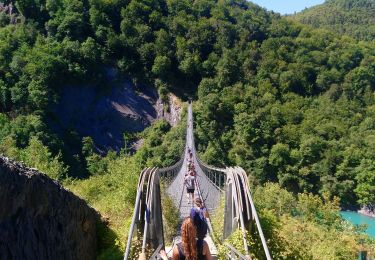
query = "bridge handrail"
x=140 y=188
x=235 y=254
x=149 y=206
x=208 y=168
x=237 y=197
x=155 y=255
x=173 y=167
x=219 y=181
x=235 y=173
x=147 y=176
x=255 y=214
x=147 y=211
x=171 y=172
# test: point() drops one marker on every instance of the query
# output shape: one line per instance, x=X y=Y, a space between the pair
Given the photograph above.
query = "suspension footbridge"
x=146 y=234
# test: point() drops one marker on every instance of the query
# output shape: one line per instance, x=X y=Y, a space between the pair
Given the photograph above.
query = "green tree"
x=279 y=155
x=88 y=146
x=366 y=183
x=4 y=96
x=161 y=67
x=38 y=156
x=38 y=94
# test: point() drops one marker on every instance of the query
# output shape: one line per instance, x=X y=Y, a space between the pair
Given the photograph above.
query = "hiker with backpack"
x=199 y=215
x=190 y=185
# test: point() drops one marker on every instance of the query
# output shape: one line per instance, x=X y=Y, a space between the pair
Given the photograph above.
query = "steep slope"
x=39 y=219
x=106 y=115
x=352 y=17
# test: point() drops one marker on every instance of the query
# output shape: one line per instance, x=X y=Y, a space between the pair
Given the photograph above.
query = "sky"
x=287 y=6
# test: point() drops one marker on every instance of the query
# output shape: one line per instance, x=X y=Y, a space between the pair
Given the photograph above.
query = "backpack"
x=190 y=182
x=200 y=222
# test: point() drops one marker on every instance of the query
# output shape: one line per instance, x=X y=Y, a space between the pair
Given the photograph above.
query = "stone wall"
x=39 y=219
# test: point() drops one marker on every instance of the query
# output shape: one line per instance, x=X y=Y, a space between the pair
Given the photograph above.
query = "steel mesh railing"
x=239 y=206
x=139 y=210
x=147 y=216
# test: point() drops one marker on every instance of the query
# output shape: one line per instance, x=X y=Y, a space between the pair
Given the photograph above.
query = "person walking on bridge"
x=190 y=186
x=190 y=248
x=199 y=215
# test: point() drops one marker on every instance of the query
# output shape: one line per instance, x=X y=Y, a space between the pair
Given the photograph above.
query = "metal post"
x=130 y=236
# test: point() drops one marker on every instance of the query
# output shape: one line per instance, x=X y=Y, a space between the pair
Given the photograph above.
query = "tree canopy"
x=351 y=17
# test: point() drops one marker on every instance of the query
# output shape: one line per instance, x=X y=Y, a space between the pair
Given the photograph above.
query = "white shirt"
x=190 y=182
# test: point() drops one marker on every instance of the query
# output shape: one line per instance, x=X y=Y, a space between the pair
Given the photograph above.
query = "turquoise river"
x=358 y=219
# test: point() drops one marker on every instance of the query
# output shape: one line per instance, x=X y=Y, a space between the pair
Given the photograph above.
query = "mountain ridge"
x=355 y=18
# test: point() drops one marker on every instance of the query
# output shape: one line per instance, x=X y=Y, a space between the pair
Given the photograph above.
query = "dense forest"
x=352 y=17
x=292 y=105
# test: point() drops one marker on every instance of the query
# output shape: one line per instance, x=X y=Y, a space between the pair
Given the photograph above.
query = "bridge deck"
x=177 y=191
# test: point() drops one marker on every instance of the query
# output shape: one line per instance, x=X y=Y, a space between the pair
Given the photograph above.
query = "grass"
x=112 y=194
x=171 y=217
x=217 y=220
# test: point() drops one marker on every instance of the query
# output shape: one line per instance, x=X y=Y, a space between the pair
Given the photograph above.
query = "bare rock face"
x=173 y=112
x=39 y=219
x=105 y=116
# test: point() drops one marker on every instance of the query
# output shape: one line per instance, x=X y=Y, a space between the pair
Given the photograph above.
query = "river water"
x=358 y=219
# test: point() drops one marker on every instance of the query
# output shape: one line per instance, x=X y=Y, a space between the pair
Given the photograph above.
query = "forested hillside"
x=352 y=17
x=289 y=104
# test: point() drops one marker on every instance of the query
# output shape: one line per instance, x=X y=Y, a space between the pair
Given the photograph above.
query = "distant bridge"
x=211 y=184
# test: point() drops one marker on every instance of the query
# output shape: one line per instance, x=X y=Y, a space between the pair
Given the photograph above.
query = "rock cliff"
x=106 y=116
x=39 y=219
x=170 y=111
